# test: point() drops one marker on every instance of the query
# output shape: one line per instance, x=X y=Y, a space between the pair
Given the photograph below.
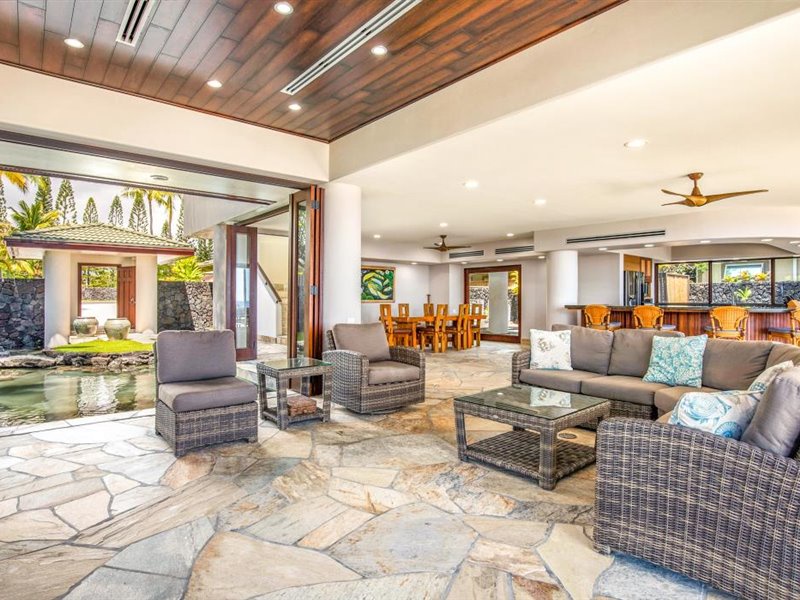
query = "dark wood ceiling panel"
x=255 y=52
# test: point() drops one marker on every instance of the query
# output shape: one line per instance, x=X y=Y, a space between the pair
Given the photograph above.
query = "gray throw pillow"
x=369 y=340
x=776 y=425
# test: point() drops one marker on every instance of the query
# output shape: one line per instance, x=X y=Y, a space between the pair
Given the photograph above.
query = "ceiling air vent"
x=466 y=254
x=514 y=249
x=617 y=237
x=133 y=21
x=363 y=34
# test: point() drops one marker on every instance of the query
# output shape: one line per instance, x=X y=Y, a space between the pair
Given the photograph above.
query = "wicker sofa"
x=368 y=375
x=611 y=365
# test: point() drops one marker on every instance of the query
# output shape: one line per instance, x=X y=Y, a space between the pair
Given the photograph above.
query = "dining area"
x=437 y=328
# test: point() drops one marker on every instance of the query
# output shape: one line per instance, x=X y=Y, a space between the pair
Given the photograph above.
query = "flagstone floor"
x=359 y=508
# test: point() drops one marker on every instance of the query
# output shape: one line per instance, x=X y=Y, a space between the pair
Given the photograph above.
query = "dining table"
x=413 y=322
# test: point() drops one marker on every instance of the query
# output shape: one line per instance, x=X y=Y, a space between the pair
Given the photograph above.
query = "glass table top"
x=534 y=401
x=290 y=364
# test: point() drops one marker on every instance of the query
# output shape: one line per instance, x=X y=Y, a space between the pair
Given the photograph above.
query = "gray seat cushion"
x=732 y=365
x=783 y=352
x=666 y=399
x=630 y=352
x=776 y=425
x=621 y=387
x=564 y=381
x=590 y=348
x=368 y=339
x=185 y=396
x=195 y=355
x=389 y=371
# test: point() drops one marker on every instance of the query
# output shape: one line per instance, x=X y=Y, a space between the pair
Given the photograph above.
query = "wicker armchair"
x=648 y=316
x=728 y=322
x=598 y=316
x=351 y=380
x=714 y=509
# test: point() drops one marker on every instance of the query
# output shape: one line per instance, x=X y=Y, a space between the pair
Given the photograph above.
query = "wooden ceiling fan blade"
x=684 y=202
x=716 y=197
x=674 y=194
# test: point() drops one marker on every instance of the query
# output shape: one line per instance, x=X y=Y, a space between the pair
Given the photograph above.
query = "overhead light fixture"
x=283 y=8
x=540 y=201
x=73 y=43
x=499 y=260
x=463 y=262
x=380 y=50
x=295 y=106
x=541 y=257
x=795 y=242
x=377 y=236
x=509 y=235
x=159 y=177
x=413 y=263
x=360 y=36
x=442 y=224
x=705 y=241
x=214 y=83
x=603 y=249
x=766 y=239
x=649 y=245
x=636 y=143
x=471 y=184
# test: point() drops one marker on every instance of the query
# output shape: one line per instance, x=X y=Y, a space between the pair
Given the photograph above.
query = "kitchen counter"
x=689 y=308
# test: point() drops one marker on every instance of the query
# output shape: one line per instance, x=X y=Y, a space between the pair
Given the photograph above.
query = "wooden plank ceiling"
x=255 y=52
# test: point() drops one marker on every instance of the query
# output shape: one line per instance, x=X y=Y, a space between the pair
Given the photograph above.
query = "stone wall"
x=99 y=294
x=185 y=305
x=761 y=292
x=21 y=314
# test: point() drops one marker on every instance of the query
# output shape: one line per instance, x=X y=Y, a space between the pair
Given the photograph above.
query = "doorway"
x=498 y=290
x=106 y=292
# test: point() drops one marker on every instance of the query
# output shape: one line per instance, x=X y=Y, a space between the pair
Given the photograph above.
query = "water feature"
x=38 y=395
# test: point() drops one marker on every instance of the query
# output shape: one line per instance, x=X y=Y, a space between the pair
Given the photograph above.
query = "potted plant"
x=85 y=326
x=743 y=295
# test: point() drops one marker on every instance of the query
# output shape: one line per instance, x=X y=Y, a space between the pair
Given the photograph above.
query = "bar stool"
x=648 y=316
x=728 y=323
x=598 y=316
x=788 y=335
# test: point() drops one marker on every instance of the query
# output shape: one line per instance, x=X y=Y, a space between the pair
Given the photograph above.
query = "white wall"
x=411 y=287
x=273 y=256
x=201 y=214
x=269 y=313
x=600 y=278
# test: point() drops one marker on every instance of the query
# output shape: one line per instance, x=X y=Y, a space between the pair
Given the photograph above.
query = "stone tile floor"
x=359 y=508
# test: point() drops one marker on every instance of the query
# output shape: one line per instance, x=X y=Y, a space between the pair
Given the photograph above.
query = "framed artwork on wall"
x=377 y=284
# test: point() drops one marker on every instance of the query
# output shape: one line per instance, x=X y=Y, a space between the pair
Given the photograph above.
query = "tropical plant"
x=165 y=232
x=761 y=277
x=158 y=197
x=65 y=203
x=3 y=208
x=179 y=233
x=743 y=295
x=13 y=268
x=203 y=249
x=18 y=180
x=115 y=215
x=44 y=192
x=90 y=212
x=33 y=216
x=138 y=220
x=184 y=269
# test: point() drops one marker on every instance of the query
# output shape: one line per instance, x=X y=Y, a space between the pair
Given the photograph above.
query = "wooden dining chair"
x=428 y=309
x=434 y=335
x=598 y=316
x=396 y=336
x=457 y=334
x=474 y=334
x=788 y=335
x=402 y=310
x=728 y=322
x=648 y=316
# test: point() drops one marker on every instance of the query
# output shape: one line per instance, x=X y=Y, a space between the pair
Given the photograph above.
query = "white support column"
x=341 y=273
x=562 y=286
x=57 y=274
x=219 y=289
x=146 y=293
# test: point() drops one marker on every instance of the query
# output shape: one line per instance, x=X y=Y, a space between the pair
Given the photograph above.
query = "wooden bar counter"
x=691 y=320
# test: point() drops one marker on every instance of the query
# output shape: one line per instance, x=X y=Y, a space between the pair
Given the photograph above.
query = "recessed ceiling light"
x=636 y=143
x=380 y=50
x=795 y=242
x=295 y=106
x=442 y=224
x=159 y=177
x=413 y=263
x=214 y=83
x=603 y=249
x=649 y=245
x=73 y=43
x=463 y=262
x=541 y=257
x=377 y=236
x=499 y=260
x=540 y=201
x=471 y=184
x=766 y=239
x=283 y=8
x=705 y=241
x=509 y=235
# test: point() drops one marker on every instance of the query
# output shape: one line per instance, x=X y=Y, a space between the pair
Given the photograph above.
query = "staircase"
x=283 y=294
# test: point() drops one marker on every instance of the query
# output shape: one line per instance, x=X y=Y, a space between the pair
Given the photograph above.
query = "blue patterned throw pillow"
x=677 y=361
x=723 y=413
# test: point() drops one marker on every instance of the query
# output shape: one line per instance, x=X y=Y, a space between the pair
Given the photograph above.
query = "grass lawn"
x=106 y=347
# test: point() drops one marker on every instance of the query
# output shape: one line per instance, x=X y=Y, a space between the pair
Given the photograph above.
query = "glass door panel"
x=498 y=291
x=242 y=257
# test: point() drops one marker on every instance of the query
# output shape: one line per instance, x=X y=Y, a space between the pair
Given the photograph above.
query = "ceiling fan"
x=696 y=199
x=443 y=247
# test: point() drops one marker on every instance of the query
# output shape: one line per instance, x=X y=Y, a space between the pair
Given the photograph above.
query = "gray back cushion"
x=368 y=339
x=732 y=365
x=195 y=355
x=590 y=348
x=776 y=425
x=630 y=352
x=783 y=352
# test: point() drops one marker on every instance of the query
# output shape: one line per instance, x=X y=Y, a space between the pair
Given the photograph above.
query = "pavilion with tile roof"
x=66 y=249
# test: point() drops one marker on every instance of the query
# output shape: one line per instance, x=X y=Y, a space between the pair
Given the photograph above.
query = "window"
x=787 y=279
x=741 y=282
x=683 y=283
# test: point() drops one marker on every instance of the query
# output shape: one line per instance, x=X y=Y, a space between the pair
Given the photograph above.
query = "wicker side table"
x=532 y=448
x=282 y=372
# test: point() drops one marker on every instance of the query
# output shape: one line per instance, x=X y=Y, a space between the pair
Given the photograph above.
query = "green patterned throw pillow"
x=677 y=361
x=551 y=350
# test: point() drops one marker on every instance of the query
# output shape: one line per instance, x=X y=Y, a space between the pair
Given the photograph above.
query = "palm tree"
x=33 y=216
x=18 y=180
x=159 y=197
x=167 y=201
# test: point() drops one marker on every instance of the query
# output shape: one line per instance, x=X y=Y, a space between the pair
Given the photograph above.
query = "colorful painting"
x=377 y=284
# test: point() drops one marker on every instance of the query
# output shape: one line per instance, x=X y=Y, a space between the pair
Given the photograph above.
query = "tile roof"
x=96 y=234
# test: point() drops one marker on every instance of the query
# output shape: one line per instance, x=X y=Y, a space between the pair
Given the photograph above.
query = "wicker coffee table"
x=532 y=448
x=282 y=372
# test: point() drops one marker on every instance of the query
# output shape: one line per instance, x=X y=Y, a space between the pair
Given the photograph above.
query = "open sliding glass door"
x=305 y=274
x=242 y=270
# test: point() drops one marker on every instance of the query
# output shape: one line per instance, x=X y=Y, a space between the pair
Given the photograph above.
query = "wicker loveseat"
x=368 y=375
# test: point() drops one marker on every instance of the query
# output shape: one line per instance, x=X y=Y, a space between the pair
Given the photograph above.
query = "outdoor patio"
x=362 y=507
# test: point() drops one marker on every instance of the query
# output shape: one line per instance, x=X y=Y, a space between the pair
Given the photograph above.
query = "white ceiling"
x=730 y=108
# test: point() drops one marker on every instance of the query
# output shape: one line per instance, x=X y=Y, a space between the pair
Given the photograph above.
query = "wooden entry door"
x=126 y=294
